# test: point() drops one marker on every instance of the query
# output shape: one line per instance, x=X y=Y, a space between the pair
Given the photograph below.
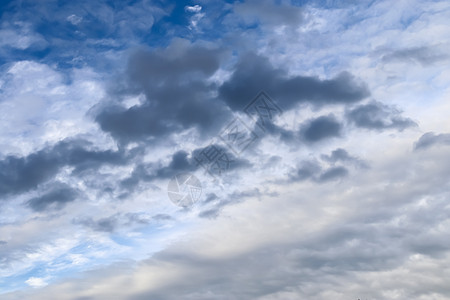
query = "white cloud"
x=19 y=35
x=36 y=282
x=74 y=19
x=193 y=9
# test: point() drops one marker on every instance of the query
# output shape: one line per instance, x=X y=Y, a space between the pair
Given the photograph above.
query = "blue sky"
x=339 y=191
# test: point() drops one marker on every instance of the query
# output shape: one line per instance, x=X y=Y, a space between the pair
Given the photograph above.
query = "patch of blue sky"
x=95 y=254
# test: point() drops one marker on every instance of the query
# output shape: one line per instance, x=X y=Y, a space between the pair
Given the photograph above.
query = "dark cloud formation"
x=422 y=55
x=182 y=161
x=178 y=94
x=338 y=155
x=57 y=198
x=323 y=127
x=253 y=73
x=311 y=131
x=430 y=139
x=21 y=174
x=378 y=116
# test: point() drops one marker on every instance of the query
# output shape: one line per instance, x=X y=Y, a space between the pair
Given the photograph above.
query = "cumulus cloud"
x=321 y=128
x=430 y=139
x=378 y=116
x=253 y=72
x=178 y=95
x=21 y=174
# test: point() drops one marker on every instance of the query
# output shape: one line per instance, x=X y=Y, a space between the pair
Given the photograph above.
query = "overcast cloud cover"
x=343 y=192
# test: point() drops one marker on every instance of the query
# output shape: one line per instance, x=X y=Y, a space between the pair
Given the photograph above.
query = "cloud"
x=20 y=35
x=323 y=127
x=179 y=163
x=268 y=12
x=423 y=55
x=74 y=19
x=430 y=139
x=318 y=241
x=194 y=9
x=313 y=170
x=222 y=161
x=378 y=116
x=58 y=197
x=253 y=73
x=21 y=174
x=107 y=224
x=333 y=173
x=338 y=155
x=178 y=94
x=294 y=217
x=342 y=156
x=36 y=282
x=306 y=170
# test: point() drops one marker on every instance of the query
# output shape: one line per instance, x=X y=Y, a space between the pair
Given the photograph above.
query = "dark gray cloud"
x=21 y=174
x=253 y=73
x=56 y=198
x=323 y=127
x=430 y=139
x=422 y=55
x=178 y=94
x=378 y=116
x=182 y=161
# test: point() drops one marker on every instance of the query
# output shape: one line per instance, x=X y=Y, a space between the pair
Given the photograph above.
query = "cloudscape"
x=212 y=150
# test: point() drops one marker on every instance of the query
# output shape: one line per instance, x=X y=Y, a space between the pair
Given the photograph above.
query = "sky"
x=224 y=149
